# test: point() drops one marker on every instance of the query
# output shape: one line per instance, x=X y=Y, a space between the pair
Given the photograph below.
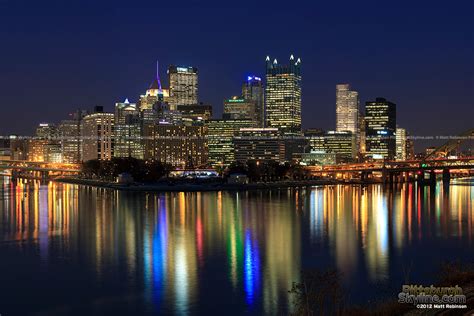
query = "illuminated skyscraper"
x=401 y=144
x=252 y=89
x=347 y=109
x=70 y=137
x=183 y=86
x=283 y=96
x=97 y=135
x=127 y=131
x=380 y=122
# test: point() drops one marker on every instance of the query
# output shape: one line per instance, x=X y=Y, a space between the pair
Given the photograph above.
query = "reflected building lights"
x=169 y=240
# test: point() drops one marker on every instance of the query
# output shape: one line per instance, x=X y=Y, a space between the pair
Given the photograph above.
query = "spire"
x=267 y=59
x=275 y=61
x=158 y=75
x=298 y=61
x=126 y=101
x=292 y=57
x=156 y=84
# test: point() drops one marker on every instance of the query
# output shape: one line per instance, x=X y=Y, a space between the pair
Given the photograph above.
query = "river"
x=68 y=249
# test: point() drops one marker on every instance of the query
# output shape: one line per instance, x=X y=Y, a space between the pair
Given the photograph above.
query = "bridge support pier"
x=432 y=177
x=446 y=176
x=385 y=176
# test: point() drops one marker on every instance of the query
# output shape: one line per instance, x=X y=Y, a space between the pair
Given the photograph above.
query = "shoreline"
x=204 y=187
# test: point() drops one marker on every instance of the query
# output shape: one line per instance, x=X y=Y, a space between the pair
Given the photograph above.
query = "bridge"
x=399 y=171
x=38 y=170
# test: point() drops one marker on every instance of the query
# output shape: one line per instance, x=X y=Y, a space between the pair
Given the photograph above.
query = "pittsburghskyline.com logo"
x=433 y=297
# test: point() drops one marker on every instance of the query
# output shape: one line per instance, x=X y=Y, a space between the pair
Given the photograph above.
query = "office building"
x=5 y=148
x=18 y=148
x=70 y=141
x=361 y=140
x=258 y=144
x=253 y=90
x=315 y=158
x=195 y=113
x=47 y=131
x=47 y=136
x=183 y=86
x=36 y=151
x=53 y=153
x=97 y=132
x=127 y=131
x=347 y=109
x=220 y=140
x=342 y=144
x=315 y=139
x=410 y=148
x=178 y=145
x=380 y=122
x=238 y=108
x=283 y=96
x=401 y=144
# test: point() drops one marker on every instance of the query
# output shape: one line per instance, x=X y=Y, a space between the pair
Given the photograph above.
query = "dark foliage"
x=140 y=170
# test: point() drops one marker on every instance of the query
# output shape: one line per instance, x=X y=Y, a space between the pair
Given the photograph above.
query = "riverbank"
x=202 y=187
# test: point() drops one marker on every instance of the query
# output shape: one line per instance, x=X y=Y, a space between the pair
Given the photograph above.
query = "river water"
x=68 y=249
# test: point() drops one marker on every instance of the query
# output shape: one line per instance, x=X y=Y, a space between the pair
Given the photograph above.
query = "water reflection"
x=195 y=252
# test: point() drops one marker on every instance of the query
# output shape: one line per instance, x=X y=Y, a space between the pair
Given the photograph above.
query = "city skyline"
x=234 y=157
x=58 y=86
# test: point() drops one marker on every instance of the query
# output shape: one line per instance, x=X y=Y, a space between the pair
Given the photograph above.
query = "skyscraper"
x=97 y=135
x=347 y=109
x=252 y=89
x=127 y=131
x=70 y=137
x=283 y=96
x=381 y=122
x=183 y=86
x=401 y=144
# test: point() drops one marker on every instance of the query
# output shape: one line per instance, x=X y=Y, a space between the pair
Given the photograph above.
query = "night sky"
x=57 y=56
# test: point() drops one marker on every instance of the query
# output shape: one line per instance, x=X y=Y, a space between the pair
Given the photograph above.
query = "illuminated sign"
x=382 y=132
x=181 y=69
x=250 y=78
x=235 y=100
